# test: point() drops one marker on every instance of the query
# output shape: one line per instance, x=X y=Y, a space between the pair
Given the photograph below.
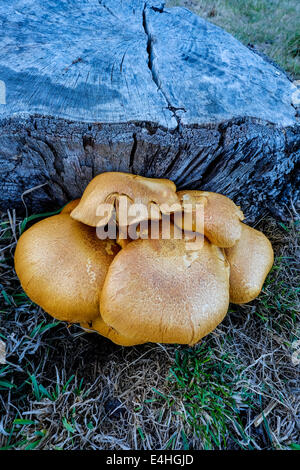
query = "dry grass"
x=62 y=388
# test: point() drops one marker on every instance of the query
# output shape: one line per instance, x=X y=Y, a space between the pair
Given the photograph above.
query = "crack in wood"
x=151 y=67
x=133 y=152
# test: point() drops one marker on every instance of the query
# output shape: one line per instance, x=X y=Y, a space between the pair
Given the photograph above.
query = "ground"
x=63 y=388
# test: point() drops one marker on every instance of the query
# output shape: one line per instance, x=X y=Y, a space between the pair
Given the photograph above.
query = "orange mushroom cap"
x=62 y=266
x=250 y=259
x=158 y=291
x=107 y=188
x=67 y=209
x=99 y=326
x=221 y=217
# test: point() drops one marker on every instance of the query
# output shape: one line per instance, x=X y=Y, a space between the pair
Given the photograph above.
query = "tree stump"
x=112 y=85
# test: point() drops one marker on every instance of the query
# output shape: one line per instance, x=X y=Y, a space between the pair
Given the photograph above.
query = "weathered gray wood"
x=96 y=85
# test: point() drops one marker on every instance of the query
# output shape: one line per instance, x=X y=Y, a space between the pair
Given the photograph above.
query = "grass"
x=63 y=388
x=206 y=381
x=271 y=25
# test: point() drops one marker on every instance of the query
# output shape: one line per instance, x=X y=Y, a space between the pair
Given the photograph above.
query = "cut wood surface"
x=132 y=86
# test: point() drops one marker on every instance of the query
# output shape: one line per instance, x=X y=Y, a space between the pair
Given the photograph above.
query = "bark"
x=95 y=86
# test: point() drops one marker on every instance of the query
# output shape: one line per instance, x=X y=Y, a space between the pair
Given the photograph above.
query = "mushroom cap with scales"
x=158 y=291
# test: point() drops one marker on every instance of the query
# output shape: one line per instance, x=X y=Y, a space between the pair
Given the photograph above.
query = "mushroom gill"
x=107 y=188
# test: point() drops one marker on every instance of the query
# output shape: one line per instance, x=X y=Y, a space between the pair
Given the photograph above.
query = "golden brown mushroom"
x=62 y=266
x=250 y=259
x=107 y=188
x=158 y=291
x=67 y=209
x=221 y=221
x=103 y=329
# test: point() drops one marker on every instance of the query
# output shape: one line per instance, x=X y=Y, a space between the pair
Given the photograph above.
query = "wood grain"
x=110 y=85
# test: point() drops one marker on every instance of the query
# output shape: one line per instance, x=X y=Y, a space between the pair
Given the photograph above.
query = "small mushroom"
x=221 y=217
x=250 y=259
x=107 y=188
x=103 y=329
x=158 y=291
x=67 y=209
x=62 y=266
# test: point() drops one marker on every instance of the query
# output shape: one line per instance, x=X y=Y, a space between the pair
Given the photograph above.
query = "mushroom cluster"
x=148 y=275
